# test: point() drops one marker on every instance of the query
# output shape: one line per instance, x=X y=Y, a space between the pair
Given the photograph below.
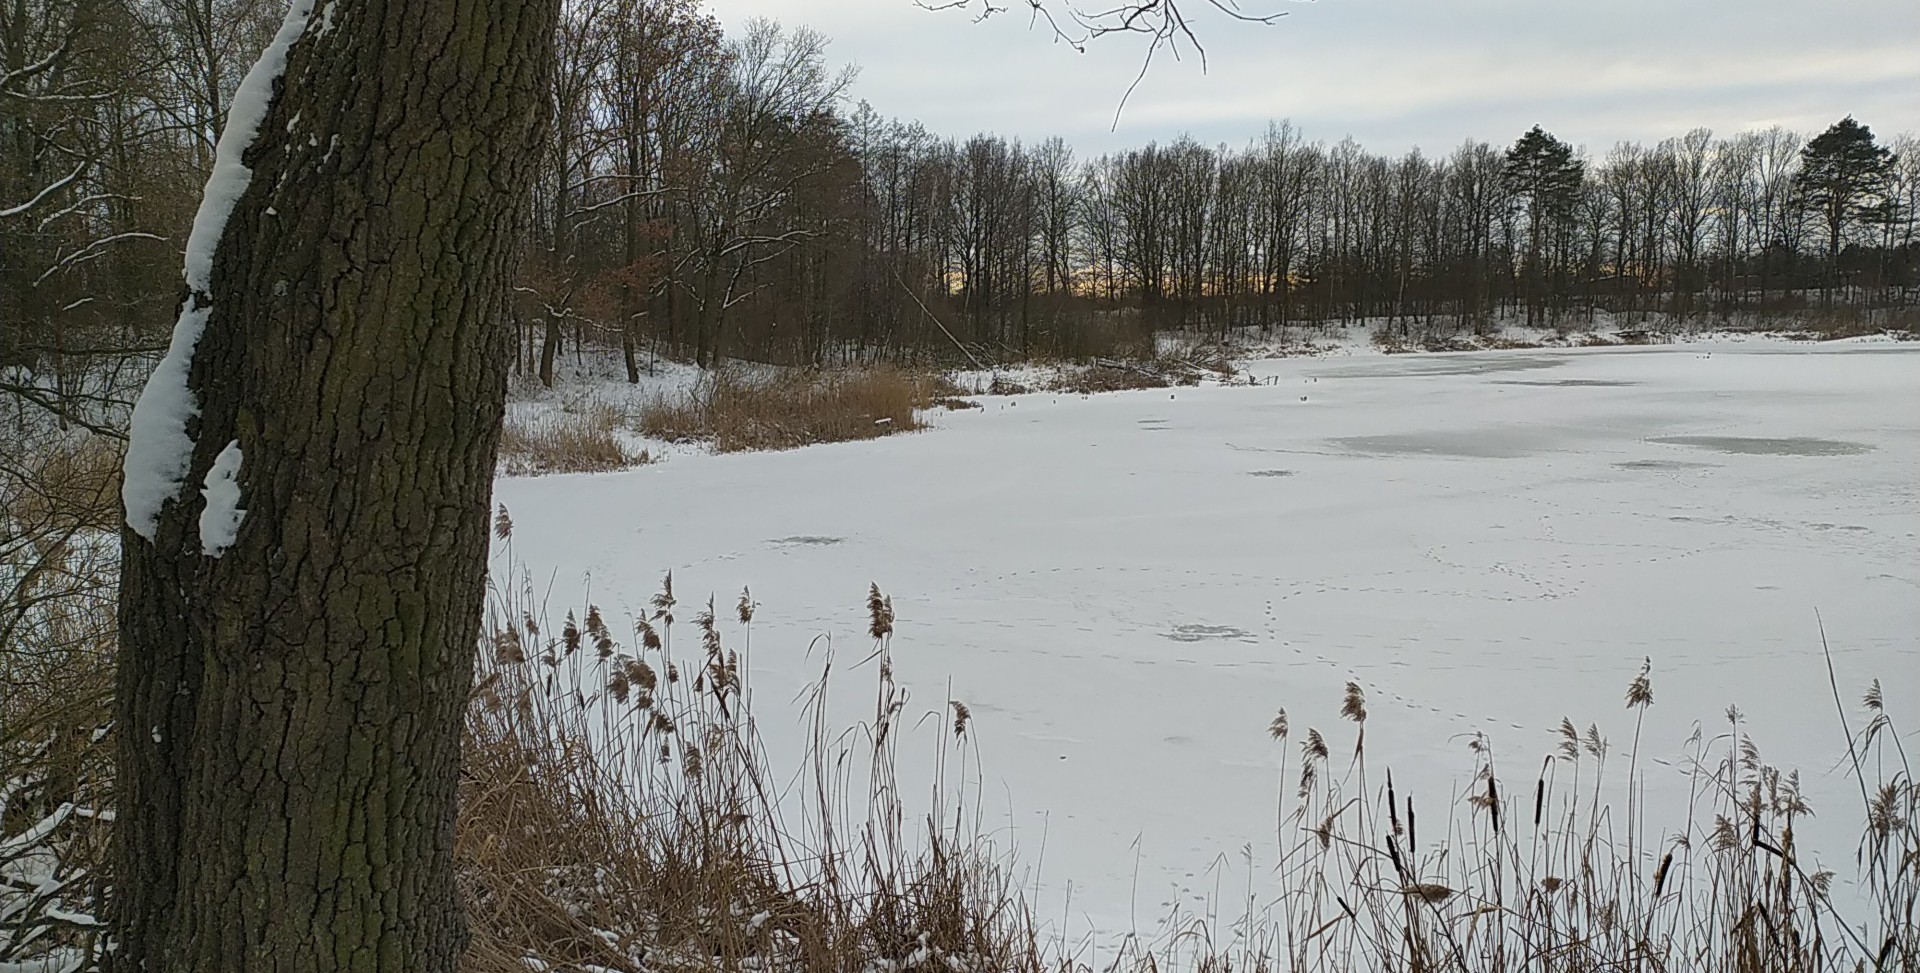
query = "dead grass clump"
x=1389 y=342
x=1503 y=343
x=1109 y=378
x=581 y=438
x=1448 y=342
x=736 y=411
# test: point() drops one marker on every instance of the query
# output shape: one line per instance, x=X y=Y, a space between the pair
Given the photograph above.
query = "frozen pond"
x=1125 y=588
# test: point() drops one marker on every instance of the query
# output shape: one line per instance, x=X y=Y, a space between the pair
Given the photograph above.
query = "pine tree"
x=1841 y=173
x=1541 y=173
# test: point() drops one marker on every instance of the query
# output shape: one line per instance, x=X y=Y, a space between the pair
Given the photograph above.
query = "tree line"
x=706 y=196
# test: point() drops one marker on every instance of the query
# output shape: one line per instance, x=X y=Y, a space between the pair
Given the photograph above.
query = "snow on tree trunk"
x=290 y=711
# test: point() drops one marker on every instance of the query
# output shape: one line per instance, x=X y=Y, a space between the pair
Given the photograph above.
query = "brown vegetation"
x=737 y=411
x=583 y=437
x=618 y=811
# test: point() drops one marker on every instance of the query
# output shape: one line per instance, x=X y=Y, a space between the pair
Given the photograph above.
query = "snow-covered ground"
x=1125 y=588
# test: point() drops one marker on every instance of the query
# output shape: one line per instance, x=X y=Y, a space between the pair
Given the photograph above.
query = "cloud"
x=1392 y=73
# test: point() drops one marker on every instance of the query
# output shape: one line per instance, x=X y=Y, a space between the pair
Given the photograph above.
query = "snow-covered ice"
x=1125 y=588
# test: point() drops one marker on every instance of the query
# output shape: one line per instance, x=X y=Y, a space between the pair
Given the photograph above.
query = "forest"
x=704 y=196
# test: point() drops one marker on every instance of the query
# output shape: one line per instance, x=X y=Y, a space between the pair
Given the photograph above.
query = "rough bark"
x=290 y=712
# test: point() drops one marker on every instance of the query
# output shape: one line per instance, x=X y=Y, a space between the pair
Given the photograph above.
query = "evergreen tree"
x=1841 y=173
x=1541 y=173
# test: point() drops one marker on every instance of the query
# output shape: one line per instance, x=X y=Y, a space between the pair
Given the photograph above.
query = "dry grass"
x=736 y=411
x=1111 y=378
x=1855 y=322
x=618 y=812
x=583 y=437
x=1550 y=874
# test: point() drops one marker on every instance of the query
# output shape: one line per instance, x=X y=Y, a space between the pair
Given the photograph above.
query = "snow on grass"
x=1124 y=588
x=159 y=448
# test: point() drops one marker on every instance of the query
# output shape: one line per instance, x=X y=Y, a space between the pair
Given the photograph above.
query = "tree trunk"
x=549 y=349
x=290 y=711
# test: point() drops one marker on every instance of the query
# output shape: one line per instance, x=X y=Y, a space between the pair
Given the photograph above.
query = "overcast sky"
x=1392 y=73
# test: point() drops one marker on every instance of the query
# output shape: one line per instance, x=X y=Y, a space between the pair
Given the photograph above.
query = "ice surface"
x=1125 y=607
x=1769 y=446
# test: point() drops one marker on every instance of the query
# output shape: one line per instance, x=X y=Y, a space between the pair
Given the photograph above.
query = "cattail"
x=1640 y=691
x=1413 y=838
x=1393 y=853
x=961 y=716
x=502 y=523
x=1393 y=809
x=1540 y=792
x=1493 y=803
x=1660 y=874
x=1278 y=728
